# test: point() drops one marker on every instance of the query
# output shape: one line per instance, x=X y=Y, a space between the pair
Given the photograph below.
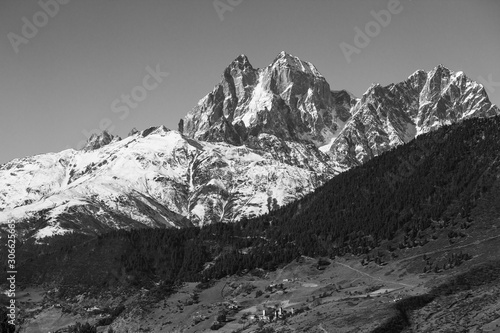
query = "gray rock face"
x=289 y=99
x=292 y=101
x=262 y=138
x=97 y=141
x=389 y=116
x=132 y=132
x=447 y=97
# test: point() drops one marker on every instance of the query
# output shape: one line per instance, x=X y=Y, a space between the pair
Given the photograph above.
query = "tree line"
x=352 y=213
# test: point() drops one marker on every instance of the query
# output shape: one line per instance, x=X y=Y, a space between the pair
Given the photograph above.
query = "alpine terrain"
x=373 y=250
x=261 y=139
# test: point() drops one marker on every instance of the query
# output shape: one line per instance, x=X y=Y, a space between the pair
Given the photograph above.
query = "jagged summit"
x=132 y=132
x=243 y=59
x=395 y=114
x=241 y=62
x=160 y=130
x=284 y=54
x=292 y=62
x=440 y=67
x=289 y=99
x=418 y=72
x=99 y=140
x=281 y=126
x=292 y=101
x=283 y=59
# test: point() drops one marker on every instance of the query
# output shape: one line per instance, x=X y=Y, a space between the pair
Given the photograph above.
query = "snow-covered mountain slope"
x=388 y=116
x=261 y=138
x=153 y=178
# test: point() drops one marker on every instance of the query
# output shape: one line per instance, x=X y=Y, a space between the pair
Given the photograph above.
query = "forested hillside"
x=400 y=196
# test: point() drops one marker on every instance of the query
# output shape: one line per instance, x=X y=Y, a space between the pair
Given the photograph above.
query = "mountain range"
x=358 y=254
x=261 y=139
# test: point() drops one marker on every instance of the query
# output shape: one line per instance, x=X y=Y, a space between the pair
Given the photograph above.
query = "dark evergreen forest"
x=396 y=196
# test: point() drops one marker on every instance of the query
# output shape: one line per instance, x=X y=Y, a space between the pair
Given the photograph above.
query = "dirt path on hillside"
x=450 y=248
x=373 y=277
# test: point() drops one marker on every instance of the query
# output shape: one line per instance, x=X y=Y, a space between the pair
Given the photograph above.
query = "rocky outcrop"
x=97 y=141
x=389 y=116
x=289 y=99
x=262 y=138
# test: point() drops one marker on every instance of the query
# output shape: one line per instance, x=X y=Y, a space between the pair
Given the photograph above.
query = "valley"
x=341 y=294
x=261 y=139
x=279 y=205
x=344 y=296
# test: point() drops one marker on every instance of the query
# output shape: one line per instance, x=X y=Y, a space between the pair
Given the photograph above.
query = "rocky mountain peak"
x=375 y=88
x=159 y=130
x=97 y=141
x=288 y=61
x=418 y=74
x=241 y=62
x=395 y=114
x=289 y=99
x=132 y=132
x=440 y=68
x=261 y=135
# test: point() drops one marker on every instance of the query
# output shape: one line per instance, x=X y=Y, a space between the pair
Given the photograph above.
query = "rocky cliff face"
x=385 y=117
x=288 y=99
x=262 y=138
x=291 y=101
x=97 y=141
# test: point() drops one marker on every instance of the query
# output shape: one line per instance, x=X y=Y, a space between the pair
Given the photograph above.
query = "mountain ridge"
x=404 y=257
x=260 y=139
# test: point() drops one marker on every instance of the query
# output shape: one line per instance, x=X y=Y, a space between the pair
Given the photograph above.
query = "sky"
x=69 y=68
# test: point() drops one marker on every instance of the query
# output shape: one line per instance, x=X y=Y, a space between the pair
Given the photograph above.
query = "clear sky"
x=71 y=74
